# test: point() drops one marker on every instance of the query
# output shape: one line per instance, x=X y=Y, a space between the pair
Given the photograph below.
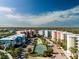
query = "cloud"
x=6 y=10
x=75 y=10
x=44 y=18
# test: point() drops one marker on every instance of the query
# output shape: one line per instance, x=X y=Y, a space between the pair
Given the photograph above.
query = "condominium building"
x=41 y=32
x=46 y=33
x=77 y=44
x=70 y=42
x=54 y=35
x=57 y=35
x=49 y=33
x=5 y=42
x=62 y=35
x=15 y=39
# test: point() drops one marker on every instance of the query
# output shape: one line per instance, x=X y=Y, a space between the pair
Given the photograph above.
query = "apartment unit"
x=46 y=33
x=14 y=40
x=20 y=32
x=5 y=42
x=41 y=32
x=49 y=33
x=70 y=42
x=54 y=35
x=57 y=35
x=77 y=43
x=62 y=35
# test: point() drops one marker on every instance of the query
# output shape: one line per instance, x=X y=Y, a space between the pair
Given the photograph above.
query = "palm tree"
x=74 y=51
x=48 y=52
x=3 y=56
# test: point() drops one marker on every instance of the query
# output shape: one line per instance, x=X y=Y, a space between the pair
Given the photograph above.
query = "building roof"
x=12 y=37
x=6 y=38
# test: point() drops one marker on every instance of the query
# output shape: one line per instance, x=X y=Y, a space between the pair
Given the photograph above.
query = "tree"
x=48 y=52
x=3 y=56
x=64 y=44
x=26 y=55
x=1 y=47
x=13 y=51
x=74 y=51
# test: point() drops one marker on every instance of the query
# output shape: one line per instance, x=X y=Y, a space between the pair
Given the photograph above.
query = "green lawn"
x=39 y=41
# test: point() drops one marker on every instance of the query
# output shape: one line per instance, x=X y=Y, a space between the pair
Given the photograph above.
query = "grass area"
x=39 y=41
x=3 y=56
x=6 y=33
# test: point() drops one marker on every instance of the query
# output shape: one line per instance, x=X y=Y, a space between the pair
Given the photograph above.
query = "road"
x=57 y=52
x=10 y=57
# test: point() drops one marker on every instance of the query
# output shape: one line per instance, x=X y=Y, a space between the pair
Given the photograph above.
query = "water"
x=40 y=49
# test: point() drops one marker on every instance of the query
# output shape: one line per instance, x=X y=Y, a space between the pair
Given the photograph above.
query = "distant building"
x=19 y=32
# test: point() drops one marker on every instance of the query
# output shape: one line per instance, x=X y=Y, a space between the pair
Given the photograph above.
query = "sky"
x=24 y=13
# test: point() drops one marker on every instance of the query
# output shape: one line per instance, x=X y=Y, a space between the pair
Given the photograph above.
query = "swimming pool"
x=40 y=49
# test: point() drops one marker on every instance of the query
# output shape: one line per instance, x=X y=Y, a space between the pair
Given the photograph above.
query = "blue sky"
x=39 y=13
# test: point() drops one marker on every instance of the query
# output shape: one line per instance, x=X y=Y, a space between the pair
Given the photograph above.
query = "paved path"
x=59 y=51
x=38 y=57
x=10 y=57
x=56 y=49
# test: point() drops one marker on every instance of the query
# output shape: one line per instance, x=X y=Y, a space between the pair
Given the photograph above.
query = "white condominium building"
x=41 y=32
x=46 y=33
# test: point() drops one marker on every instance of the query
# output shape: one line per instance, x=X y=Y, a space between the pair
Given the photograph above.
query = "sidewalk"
x=38 y=57
x=65 y=52
x=56 y=50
